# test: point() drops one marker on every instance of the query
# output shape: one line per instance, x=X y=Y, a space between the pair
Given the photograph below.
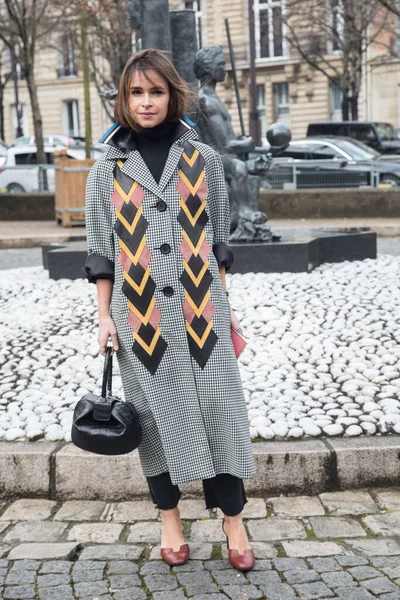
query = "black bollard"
x=184 y=43
x=154 y=21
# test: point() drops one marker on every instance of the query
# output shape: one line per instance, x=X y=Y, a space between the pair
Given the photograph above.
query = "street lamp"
x=15 y=80
x=254 y=120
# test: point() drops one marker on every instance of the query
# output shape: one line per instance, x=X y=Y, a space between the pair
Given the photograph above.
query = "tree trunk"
x=37 y=124
x=354 y=107
x=345 y=106
x=2 y=111
x=86 y=85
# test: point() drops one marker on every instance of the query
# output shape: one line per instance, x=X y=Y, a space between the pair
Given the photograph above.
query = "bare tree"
x=3 y=83
x=108 y=40
x=28 y=24
x=333 y=37
x=392 y=5
x=111 y=39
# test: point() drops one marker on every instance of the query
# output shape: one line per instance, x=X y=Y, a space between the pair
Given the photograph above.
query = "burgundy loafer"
x=243 y=562
x=175 y=558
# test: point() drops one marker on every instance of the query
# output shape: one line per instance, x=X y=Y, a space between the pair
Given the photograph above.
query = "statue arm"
x=223 y=144
x=219 y=211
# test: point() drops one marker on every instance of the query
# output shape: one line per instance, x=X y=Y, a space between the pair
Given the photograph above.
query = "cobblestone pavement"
x=335 y=545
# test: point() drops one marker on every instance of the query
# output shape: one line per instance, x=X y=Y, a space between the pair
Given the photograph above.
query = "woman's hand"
x=234 y=320
x=107 y=329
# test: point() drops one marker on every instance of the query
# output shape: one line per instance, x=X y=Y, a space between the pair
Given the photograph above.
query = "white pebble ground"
x=323 y=354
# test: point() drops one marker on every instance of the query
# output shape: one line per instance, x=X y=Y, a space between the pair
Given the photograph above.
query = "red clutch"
x=239 y=343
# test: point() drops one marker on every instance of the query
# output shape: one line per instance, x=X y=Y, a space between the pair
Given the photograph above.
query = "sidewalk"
x=29 y=234
x=335 y=545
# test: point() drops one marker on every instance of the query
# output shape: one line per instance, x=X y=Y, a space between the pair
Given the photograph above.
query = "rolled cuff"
x=223 y=254
x=98 y=267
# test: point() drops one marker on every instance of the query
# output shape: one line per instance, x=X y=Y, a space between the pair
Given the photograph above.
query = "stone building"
x=59 y=83
x=288 y=90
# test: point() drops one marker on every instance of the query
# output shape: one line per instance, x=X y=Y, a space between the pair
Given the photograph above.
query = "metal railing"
x=283 y=175
x=330 y=174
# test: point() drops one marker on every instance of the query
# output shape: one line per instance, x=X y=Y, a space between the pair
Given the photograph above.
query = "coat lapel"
x=136 y=168
x=172 y=162
x=134 y=165
x=174 y=155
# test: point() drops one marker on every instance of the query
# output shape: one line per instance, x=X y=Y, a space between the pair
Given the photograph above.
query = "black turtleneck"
x=154 y=144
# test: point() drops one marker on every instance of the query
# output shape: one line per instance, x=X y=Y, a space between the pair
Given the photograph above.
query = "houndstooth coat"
x=161 y=245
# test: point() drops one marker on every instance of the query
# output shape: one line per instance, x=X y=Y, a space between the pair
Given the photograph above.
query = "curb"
x=61 y=471
x=7 y=243
x=382 y=231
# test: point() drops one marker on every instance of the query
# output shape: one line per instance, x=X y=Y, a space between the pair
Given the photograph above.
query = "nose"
x=146 y=99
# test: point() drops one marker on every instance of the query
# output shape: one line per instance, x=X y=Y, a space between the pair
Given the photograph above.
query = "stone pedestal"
x=294 y=253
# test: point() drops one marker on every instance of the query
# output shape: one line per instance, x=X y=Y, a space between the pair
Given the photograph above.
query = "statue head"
x=210 y=63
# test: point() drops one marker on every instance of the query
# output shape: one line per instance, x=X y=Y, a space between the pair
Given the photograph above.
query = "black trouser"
x=224 y=491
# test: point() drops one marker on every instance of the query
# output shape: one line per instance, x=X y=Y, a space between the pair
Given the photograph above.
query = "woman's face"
x=148 y=98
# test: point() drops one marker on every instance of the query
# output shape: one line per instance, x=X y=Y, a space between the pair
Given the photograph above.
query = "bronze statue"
x=214 y=125
x=243 y=176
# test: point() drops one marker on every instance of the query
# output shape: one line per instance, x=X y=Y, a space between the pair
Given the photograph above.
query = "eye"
x=136 y=92
x=158 y=92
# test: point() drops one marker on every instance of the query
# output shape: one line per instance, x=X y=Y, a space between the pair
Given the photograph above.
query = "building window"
x=281 y=103
x=70 y=118
x=196 y=6
x=335 y=25
x=336 y=99
x=8 y=68
x=67 y=62
x=262 y=113
x=269 y=28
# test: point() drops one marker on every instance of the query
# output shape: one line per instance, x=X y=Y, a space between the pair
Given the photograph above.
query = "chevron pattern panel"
x=196 y=277
x=138 y=287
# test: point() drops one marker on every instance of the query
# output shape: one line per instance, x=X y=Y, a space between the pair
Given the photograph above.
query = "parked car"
x=26 y=180
x=3 y=152
x=333 y=162
x=379 y=136
x=53 y=139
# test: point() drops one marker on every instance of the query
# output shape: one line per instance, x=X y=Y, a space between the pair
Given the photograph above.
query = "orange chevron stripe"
x=125 y=196
x=198 y=310
x=144 y=318
x=134 y=257
x=187 y=212
x=199 y=341
x=130 y=227
x=191 y=161
x=192 y=188
x=196 y=280
x=149 y=349
x=196 y=249
x=134 y=285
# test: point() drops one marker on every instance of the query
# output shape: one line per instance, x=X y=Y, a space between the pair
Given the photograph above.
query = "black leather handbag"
x=105 y=425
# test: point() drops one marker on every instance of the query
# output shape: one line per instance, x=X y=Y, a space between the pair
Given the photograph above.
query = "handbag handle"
x=107 y=376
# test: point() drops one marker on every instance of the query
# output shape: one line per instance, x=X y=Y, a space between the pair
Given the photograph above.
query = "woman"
x=157 y=218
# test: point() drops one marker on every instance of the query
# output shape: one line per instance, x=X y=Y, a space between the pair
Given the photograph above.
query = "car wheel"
x=14 y=188
x=391 y=180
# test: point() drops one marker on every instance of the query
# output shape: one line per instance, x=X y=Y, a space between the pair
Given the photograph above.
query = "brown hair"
x=181 y=94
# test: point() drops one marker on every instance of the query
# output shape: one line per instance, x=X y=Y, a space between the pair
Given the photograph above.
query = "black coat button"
x=161 y=205
x=165 y=248
x=168 y=290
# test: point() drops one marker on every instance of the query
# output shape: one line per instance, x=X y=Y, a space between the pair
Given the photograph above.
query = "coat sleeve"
x=219 y=210
x=100 y=259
